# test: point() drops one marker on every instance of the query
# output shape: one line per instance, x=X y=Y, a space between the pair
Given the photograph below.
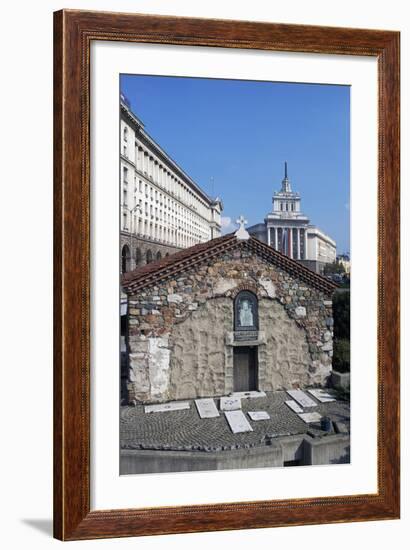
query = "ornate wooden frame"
x=73 y=33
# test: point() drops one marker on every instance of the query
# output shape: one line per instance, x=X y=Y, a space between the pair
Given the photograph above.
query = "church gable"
x=204 y=253
x=186 y=318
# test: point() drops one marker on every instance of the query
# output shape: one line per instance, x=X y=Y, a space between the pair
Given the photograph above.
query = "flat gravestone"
x=294 y=406
x=230 y=403
x=206 y=408
x=248 y=394
x=259 y=415
x=322 y=395
x=303 y=399
x=237 y=422
x=310 y=417
x=165 y=407
x=341 y=428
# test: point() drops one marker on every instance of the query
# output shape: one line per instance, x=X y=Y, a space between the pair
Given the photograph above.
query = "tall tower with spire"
x=287 y=230
x=286 y=201
x=285 y=182
x=285 y=227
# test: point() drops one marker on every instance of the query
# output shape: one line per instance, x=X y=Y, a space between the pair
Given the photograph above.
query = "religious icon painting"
x=235 y=274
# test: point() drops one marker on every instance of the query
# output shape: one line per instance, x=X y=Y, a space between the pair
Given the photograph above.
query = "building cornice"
x=315 y=231
x=138 y=127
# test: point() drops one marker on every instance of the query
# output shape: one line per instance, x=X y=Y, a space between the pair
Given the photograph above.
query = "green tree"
x=341 y=355
x=341 y=328
x=341 y=314
x=335 y=267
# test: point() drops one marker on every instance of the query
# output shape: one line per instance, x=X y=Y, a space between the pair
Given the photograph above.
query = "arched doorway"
x=125 y=259
x=159 y=255
x=149 y=256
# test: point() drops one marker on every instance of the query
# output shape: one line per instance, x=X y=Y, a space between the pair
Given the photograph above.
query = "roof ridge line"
x=211 y=249
x=291 y=262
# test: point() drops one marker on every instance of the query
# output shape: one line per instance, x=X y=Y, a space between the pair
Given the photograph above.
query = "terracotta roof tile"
x=155 y=271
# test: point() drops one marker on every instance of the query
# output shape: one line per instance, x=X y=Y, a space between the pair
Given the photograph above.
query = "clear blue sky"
x=241 y=132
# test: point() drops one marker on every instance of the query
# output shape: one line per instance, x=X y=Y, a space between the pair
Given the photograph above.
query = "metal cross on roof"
x=242 y=234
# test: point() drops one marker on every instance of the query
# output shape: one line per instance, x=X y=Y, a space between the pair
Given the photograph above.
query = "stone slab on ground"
x=294 y=406
x=206 y=408
x=300 y=397
x=341 y=428
x=230 y=403
x=322 y=395
x=248 y=394
x=164 y=407
x=237 y=422
x=258 y=415
x=310 y=417
x=184 y=430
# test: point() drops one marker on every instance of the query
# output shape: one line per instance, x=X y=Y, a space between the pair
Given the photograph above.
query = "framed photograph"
x=226 y=210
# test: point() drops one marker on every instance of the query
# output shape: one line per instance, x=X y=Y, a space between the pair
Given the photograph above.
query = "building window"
x=272 y=237
x=124 y=150
x=295 y=243
x=125 y=133
x=125 y=174
x=302 y=245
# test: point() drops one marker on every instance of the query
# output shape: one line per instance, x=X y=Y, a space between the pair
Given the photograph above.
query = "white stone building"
x=162 y=209
x=288 y=230
x=320 y=246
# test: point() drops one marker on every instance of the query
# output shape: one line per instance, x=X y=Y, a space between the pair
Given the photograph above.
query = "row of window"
x=163 y=210
x=287 y=206
x=146 y=164
x=161 y=201
x=178 y=235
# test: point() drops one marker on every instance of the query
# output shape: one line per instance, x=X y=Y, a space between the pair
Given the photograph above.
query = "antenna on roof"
x=286 y=169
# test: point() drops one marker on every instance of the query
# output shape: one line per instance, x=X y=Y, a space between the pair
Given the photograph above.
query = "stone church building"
x=230 y=314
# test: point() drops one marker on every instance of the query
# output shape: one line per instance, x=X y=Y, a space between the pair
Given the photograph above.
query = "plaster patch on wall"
x=268 y=287
x=224 y=285
x=159 y=361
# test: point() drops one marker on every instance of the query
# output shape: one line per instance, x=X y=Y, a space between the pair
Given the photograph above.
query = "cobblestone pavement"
x=185 y=430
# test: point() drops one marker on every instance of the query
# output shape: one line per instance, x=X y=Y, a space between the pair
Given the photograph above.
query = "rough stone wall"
x=179 y=328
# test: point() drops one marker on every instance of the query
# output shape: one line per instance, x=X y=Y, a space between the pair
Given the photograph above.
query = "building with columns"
x=162 y=209
x=288 y=230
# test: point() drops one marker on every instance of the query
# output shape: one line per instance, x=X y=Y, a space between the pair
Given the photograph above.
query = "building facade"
x=228 y=315
x=162 y=209
x=289 y=231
